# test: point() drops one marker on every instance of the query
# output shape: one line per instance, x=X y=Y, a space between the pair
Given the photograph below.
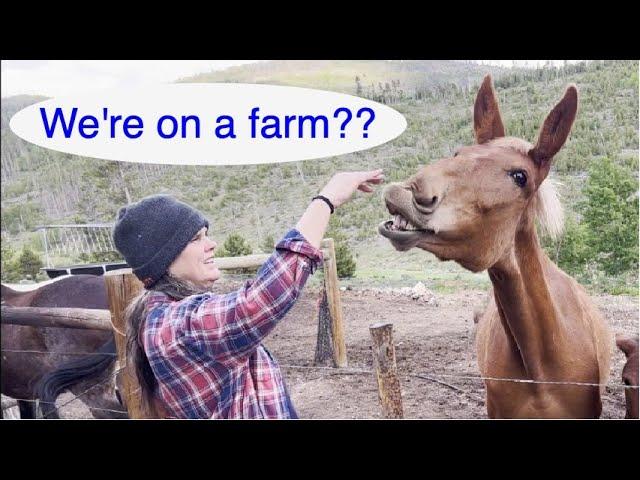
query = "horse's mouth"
x=402 y=233
x=400 y=227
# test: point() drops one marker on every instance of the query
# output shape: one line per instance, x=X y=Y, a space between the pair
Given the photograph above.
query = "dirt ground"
x=429 y=339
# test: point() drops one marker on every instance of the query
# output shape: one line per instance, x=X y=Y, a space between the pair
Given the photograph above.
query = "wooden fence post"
x=384 y=359
x=122 y=287
x=333 y=299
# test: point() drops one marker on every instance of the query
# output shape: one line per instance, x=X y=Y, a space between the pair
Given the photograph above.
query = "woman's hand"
x=342 y=185
x=313 y=223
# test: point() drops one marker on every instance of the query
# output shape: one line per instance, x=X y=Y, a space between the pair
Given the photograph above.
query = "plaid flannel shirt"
x=205 y=350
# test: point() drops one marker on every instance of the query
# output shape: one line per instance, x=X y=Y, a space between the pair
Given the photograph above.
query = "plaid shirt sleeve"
x=226 y=328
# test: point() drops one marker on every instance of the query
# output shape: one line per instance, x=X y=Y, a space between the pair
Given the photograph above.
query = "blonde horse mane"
x=548 y=208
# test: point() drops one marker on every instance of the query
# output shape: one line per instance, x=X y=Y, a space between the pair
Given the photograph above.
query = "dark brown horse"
x=44 y=376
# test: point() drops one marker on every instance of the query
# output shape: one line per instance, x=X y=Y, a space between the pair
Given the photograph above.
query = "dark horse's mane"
x=78 y=291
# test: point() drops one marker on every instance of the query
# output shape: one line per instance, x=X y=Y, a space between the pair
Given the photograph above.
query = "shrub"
x=345 y=263
x=234 y=246
x=268 y=244
x=28 y=264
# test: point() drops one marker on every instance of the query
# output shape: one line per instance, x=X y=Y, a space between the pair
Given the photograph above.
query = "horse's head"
x=469 y=207
x=630 y=372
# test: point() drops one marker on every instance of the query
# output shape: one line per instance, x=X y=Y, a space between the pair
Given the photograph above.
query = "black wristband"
x=324 y=199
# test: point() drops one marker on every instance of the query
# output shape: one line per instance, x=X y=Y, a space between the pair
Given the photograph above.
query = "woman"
x=198 y=354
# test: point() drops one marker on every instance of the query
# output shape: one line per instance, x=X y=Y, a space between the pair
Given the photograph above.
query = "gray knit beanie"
x=151 y=233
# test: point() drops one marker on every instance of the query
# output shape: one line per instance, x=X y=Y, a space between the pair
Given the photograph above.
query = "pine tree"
x=610 y=214
x=345 y=263
x=28 y=263
x=234 y=246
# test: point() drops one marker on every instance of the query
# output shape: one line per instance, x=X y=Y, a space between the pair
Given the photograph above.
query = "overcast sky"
x=62 y=77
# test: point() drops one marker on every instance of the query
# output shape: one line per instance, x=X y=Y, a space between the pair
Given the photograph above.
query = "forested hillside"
x=42 y=186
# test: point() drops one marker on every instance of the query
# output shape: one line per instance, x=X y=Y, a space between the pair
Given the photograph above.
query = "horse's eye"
x=627 y=382
x=520 y=177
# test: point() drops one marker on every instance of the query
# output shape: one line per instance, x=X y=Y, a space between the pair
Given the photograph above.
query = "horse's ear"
x=627 y=344
x=555 y=130
x=487 y=122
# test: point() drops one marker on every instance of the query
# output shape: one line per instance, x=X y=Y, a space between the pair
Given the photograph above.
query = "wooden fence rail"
x=227 y=263
x=57 y=317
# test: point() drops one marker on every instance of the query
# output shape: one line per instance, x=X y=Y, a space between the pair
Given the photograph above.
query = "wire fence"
x=430 y=376
x=464 y=376
x=436 y=377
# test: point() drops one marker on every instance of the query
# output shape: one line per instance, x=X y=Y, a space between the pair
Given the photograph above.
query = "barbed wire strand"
x=48 y=403
x=467 y=377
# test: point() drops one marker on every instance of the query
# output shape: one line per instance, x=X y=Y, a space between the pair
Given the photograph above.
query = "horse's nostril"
x=427 y=202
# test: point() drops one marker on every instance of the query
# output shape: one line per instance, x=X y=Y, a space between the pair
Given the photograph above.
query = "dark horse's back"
x=75 y=291
x=45 y=376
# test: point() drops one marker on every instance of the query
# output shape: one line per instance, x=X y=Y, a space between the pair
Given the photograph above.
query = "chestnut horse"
x=32 y=375
x=629 y=346
x=479 y=208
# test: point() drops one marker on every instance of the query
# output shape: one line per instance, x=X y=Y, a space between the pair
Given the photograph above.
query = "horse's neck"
x=525 y=303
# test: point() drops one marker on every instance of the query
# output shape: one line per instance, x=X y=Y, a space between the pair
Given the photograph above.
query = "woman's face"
x=195 y=262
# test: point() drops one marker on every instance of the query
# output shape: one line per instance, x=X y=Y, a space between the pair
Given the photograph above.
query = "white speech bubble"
x=209 y=103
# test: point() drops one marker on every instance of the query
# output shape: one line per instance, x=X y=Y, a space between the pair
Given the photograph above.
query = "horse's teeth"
x=401 y=223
